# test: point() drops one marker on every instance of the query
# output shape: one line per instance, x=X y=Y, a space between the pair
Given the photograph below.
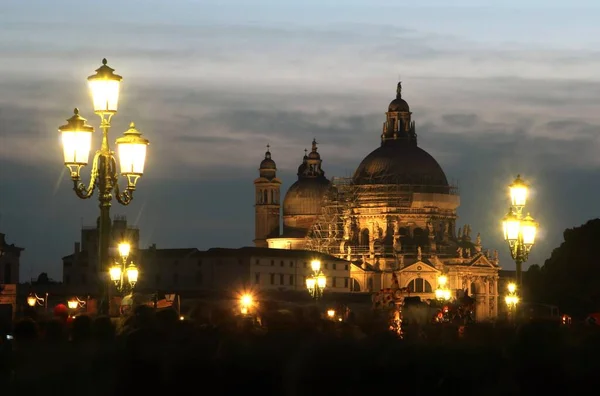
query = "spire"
x=268 y=153
x=268 y=168
x=305 y=154
x=399 y=90
x=314 y=145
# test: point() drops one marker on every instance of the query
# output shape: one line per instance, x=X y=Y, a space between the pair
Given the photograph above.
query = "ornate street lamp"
x=442 y=293
x=519 y=231
x=317 y=282
x=33 y=299
x=77 y=143
x=120 y=270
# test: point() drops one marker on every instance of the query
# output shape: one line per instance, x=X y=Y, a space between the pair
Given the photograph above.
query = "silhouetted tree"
x=43 y=279
x=570 y=276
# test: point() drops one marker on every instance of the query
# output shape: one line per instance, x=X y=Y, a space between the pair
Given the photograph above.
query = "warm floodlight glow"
x=132 y=153
x=519 y=191
x=76 y=138
x=511 y=300
x=331 y=313
x=124 y=250
x=512 y=226
x=104 y=87
x=512 y=288
x=132 y=274
x=31 y=301
x=442 y=280
x=115 y=273
x=73 y=304
x=246 y=300
x=528 y=230
x=315 y=265
x=439 y=294
x=321 y=281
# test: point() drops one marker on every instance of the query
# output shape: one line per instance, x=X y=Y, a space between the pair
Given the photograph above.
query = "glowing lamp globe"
x=321 y=281
x=246 y=300
x=104 y=87
x=519 y=191
x=439 y=294
x=315 y=265
x=132 y=154
x=115 y=273
x=330 y=313
x=528 y=230
x=132 y=274
x=442 y=280
x=72 y=304
x=512 y=226
x=124 y=250
x=31 y=301
x=512 y=288
x=76 y=138
x=310 y=283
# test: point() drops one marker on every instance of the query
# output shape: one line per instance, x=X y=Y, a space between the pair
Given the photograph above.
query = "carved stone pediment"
x=419 y=266
x=481 y=261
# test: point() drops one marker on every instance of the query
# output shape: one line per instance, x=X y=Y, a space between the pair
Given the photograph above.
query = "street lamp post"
x=77 y=142
x=120 y=270
x=519 y=230
x=317 y=282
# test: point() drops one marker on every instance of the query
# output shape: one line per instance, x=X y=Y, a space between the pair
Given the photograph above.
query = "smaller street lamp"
x=33 y=299
x=120 y=270
x=442 y=293
x=512 y=298
x=317 y=282
x=76 y=303
x=519 y=231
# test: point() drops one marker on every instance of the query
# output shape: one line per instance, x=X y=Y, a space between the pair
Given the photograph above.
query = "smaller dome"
x=267 y=163
x=398 y=105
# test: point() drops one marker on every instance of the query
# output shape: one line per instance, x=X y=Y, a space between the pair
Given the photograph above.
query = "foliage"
x=569 y=278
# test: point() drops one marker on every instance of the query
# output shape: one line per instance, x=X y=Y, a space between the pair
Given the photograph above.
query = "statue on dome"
x=399 y=90
x=478 y=239
x=419 y=253
x=460 y=252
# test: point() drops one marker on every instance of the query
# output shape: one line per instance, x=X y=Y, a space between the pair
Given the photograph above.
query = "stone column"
x=487 y=297
x=496 y=296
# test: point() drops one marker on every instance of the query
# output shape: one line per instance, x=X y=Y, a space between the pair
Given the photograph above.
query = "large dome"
x=304 y=197
x=397 y=162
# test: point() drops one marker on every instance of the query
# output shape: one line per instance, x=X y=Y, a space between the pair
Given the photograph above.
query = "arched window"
x=364 y=237
x=272 y=196
x=266 y=197
x=419 y=285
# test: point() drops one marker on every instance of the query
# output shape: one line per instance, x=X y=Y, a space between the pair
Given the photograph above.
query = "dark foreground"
x=158 y=354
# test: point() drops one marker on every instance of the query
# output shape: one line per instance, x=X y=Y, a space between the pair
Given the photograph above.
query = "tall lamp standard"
x=317 y=282
x=77 y=142
x=519 y=230
x=120 y=270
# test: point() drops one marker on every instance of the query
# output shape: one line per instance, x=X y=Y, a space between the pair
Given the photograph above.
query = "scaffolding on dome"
x=327 y=233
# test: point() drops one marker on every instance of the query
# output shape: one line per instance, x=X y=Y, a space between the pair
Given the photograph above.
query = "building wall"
x=10 y=256
x=81 y=273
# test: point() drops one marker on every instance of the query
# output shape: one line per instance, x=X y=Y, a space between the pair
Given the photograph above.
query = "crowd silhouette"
x=299 y=353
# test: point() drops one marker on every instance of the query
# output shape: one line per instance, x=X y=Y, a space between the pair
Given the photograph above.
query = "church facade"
x=395 y=218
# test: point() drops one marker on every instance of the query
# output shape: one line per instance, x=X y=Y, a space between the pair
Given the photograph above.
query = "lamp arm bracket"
x=83 y=191
x=125 y=197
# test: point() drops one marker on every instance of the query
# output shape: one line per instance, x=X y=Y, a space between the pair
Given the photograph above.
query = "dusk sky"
x=496 y=88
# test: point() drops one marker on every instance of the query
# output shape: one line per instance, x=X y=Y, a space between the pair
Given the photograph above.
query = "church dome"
x=397 y=162
x=305 y=197
x=268 y=163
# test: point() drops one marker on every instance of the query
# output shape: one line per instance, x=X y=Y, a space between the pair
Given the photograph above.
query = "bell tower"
x=267 y=207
